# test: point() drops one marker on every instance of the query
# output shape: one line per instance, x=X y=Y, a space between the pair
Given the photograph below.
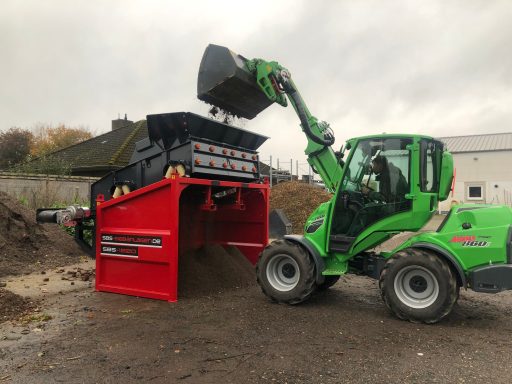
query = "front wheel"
x=286 y=272
x=418 y=286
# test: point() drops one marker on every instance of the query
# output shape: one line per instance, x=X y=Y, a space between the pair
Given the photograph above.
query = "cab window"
x=375 y=185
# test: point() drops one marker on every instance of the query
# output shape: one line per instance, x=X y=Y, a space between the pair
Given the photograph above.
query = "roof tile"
x=110 y=150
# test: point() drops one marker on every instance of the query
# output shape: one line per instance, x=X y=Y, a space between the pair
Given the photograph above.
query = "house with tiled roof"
x=482 y=168
x=104 y=153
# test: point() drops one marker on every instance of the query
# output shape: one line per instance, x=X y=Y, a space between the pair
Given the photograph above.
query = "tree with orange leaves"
x=49 y=139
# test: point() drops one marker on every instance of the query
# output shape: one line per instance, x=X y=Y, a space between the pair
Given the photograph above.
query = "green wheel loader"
x=382 y=185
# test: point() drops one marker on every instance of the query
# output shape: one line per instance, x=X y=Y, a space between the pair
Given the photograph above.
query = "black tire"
x=286 y=272
x=418 y=286
x=329 y=281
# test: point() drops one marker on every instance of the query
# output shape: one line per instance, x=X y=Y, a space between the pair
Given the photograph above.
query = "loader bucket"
x=225 y=82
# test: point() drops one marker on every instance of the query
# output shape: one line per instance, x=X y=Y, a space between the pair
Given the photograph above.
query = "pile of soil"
x=297 y=200
x=13 y=306
x=213 y=269
x=26 y=246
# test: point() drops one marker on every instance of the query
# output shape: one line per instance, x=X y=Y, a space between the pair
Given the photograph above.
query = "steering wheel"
x=363 y=185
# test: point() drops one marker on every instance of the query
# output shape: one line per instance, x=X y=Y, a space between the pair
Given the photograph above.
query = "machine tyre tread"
x=306 y=285
x=448 y=286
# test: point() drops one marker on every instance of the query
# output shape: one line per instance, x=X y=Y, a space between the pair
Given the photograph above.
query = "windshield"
x=363 y=169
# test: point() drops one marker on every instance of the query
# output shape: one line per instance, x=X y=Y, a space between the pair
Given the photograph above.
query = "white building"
x=483 y=169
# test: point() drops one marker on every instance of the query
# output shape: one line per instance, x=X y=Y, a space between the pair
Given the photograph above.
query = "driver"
x=392 y=183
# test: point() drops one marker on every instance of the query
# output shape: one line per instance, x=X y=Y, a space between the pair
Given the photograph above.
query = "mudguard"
x=447 y=256
x=319 y=261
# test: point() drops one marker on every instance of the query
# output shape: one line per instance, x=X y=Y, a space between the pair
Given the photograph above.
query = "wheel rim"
x=416 y=287
x=283 y=273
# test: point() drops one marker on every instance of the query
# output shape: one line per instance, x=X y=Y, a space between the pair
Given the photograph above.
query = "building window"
x=474 y=192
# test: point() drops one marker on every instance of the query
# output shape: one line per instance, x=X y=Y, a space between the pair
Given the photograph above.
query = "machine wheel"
x=329 y=281
x=418 y=286
x=286 y=272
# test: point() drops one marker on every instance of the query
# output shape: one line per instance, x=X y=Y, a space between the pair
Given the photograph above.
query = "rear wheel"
x=286 y=272
x=418 y=286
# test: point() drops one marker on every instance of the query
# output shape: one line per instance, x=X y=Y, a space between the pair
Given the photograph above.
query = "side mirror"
x=446 y=177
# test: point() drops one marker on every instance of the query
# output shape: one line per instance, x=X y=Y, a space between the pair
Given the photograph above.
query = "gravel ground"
x=344 y=335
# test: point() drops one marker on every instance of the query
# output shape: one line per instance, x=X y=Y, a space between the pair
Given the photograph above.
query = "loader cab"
x=390 y=183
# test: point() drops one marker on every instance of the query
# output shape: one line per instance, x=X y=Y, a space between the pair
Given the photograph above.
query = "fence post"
x=291 y=169
x=278 y=171
x=270 y=172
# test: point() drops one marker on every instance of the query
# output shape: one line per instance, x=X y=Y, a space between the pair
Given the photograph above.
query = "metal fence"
x=278 y=170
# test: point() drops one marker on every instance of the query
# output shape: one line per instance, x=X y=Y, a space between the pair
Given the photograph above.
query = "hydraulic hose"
x=301 y=112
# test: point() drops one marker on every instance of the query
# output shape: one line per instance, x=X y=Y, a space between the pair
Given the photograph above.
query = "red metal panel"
x=125 y=224
x=141 y=235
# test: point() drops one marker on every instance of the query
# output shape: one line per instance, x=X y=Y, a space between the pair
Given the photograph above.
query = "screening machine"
x=192 y=182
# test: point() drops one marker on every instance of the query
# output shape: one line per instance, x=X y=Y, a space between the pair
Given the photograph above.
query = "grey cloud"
x=365 y=66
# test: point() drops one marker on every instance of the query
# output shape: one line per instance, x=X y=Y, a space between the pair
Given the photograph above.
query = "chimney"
x=120 y=123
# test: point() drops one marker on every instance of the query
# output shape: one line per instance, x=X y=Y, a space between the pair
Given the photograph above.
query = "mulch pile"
x=213 y=269
x=13 y=306
x=297 y=200
x=26 y=246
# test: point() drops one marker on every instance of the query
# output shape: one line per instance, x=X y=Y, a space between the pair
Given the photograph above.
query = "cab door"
x=368 y=193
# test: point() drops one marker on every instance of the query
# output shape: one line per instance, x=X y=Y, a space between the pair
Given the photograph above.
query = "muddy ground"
x=26 y=246
x=342 y=335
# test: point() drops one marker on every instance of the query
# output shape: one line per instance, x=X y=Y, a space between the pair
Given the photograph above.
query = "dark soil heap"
x=297 y=200
x=13 y=306
x=26 y=246
x=213 y=269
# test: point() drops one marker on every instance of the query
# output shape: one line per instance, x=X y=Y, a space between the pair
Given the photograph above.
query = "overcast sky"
x=437 y=68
